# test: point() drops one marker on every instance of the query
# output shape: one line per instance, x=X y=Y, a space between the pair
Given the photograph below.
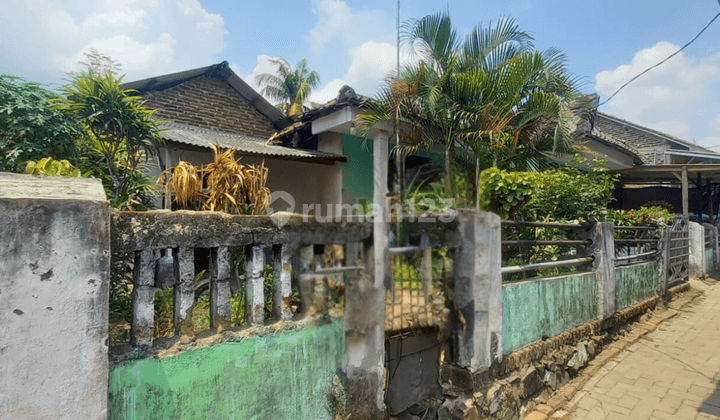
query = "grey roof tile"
x=256 y=146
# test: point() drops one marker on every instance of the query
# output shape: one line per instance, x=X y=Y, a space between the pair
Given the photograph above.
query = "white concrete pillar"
x=54 y=282
x=478 y=290
x=697 y=250
x=604 y=267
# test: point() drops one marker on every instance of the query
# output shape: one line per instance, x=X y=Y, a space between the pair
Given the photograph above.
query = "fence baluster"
x=254 y=278
x=281 y=282
x=143 y=299
x=184 y=267
x=220 y=312
x=307 y=254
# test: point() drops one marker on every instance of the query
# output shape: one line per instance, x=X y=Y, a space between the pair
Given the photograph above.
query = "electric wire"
x=658 y=64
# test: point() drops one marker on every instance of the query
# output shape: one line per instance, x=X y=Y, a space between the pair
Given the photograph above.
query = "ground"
x=670 y=373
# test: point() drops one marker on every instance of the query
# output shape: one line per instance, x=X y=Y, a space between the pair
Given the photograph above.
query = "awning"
x=702 y=175
x=244 y=145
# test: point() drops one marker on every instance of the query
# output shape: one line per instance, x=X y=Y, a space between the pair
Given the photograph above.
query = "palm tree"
x=290 y=86
x=491 y=94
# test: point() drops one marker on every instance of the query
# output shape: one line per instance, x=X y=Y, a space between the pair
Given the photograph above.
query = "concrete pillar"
x=254 y=285
x=663 y=260
x=143 y=299
x=281 y=282
x=712 y=233
x=380 y=221
x=716 y=249
x=54 y=278
x=306 y=281
x=697 y=250
x=478 y=290
x=603 y=236
x=365 y=341
x=220 y=311
x=184 y=267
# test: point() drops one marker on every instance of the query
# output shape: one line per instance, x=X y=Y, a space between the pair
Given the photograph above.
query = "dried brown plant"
x=229 y=186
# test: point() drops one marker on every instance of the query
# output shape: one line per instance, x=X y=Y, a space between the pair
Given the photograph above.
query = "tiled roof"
x=247 y=145
x=619 y=131
x=221 y=71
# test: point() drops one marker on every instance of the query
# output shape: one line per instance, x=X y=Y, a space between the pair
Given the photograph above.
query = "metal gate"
x=679 y=251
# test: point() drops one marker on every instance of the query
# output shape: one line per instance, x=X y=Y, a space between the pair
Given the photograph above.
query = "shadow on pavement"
x=711 y=405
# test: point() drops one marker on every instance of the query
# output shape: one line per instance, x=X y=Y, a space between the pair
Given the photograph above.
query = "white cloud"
x=715 y=123
x=148 y=37
x=677 y=97
x=336 y=20
x=371 y=63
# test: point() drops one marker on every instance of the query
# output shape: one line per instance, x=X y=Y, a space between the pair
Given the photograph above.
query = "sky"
x=353 y=43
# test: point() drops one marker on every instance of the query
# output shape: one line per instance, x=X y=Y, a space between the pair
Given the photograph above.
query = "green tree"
x=30 y=128
x=291 y=86
x=121 y=134
x=97 y=63
x=490 y=95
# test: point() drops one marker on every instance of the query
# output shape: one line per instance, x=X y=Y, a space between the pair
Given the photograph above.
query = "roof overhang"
x=668 y=174
x=202 y=139
x=698 y=155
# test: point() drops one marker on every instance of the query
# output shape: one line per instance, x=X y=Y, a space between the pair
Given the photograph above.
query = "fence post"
x=143 y=298
x=365 y=340
x=711 y=234
x=663 y=260
x=478 y=290
x=254 y=284
x=604 y=266
x=697 y=250
x=220 y=292
x=184 y=267
x=54 y=278
x=716 y=248
x=282 y=290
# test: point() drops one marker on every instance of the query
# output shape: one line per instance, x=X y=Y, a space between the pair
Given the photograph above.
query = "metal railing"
x=636 y=244
x=572 y=249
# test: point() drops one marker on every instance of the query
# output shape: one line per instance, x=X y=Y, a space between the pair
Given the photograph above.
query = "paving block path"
x=670 y=373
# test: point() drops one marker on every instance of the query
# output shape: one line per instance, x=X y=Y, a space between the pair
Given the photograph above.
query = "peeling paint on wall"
x=635 y=283
x=537 y=308
x=280 y=376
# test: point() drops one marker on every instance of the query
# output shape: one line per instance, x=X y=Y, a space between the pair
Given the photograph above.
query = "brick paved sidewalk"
x=671 y=373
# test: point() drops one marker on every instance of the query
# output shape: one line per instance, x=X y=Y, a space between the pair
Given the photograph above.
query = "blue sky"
x=353 y=42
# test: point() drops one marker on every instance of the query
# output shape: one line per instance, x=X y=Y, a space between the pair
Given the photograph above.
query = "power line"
x=669 y=57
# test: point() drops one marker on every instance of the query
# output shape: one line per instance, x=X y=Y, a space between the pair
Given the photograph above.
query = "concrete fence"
x=56 y=238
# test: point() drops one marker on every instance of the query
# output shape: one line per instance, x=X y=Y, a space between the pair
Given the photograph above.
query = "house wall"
x=208 y=102
x=357 y=172
x=308 y=183
x=280 y=376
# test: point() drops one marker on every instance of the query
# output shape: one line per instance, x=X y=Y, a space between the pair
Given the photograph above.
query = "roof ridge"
x=652 y=131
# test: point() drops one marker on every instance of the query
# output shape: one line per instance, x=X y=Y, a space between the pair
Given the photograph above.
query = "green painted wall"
x=358 y=173
x=636 y=283
x=280 y=376
x=709 y=259
x=358 y=170
x=538 y=308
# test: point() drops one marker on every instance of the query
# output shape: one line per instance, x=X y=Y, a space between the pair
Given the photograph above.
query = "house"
x=209 y=105
x=655 y=168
